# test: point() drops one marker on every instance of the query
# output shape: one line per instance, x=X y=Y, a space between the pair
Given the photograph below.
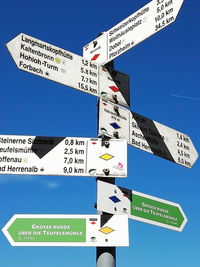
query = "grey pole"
x=105 y=256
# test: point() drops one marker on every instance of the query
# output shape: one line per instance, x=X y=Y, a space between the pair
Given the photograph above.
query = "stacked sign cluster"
x=104 y=157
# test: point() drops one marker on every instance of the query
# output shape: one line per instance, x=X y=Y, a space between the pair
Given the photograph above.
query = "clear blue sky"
x=164 y=74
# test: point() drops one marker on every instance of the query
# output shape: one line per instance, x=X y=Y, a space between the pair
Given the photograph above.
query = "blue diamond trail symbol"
x=115 y=199
x=115 y=125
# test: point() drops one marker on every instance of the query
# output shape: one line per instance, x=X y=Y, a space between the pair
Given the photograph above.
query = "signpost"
x=140 y=207
x=146 y=134
x=148 y=20
x=67 y=230
x=102 y=158
x=67 y=156
x=59 y=65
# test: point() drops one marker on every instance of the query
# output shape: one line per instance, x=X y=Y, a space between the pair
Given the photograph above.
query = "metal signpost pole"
x=106 y=256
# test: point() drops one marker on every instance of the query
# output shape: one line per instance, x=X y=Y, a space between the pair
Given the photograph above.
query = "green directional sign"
x=48 y=230
x=139 y=206
x=67 y=230
x=156 y=211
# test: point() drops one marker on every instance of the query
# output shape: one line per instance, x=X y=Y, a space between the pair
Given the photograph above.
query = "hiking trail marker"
x=59 y=65
x=67 y=156
x=148 y=20
x=140 y=207
x=146 y=134
x=67 y=230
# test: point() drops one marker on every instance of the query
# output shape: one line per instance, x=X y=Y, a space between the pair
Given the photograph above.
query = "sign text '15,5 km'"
x=62 y=66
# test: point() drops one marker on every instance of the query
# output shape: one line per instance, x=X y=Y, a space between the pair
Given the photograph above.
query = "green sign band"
x=156 y=211
x=48 y=230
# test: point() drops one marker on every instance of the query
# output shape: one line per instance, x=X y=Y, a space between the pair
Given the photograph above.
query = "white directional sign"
x=67 y=230
x=67 y=156
x=151 y=18
x=59 y=65
x=146 y=134
x=141 y=207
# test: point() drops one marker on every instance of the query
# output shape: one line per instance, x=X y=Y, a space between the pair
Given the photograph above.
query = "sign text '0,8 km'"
x=66 y=156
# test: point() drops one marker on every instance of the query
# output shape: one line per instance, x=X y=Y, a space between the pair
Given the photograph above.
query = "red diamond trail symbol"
x=114 y=88
x=95 y=56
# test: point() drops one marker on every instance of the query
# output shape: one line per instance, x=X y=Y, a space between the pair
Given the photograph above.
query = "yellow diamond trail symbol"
x=106 y=156
x=106 y=230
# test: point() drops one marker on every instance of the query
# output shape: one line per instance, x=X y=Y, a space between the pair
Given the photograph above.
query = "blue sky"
x=164 y=75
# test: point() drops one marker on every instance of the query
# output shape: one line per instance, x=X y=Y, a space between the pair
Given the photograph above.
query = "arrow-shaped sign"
x=146 y=134
x=67 y=156
x=67 y=230
x=59 y=65
x=139 y=206
x=148 y=20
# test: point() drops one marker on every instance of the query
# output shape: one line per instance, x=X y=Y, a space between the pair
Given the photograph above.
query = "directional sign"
x=67 y=230
x=151 y=18
x=68 y=156
x=139 y=206
x=146 y=134
x=59 y=65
